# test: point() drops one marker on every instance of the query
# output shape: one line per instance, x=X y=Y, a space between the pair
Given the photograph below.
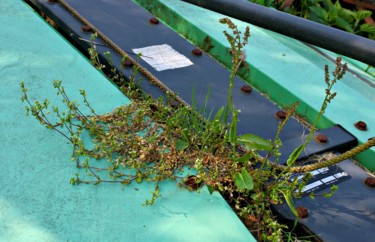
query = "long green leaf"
x=233 y=135
x=254 y=142
x=219 y=114
x=289 y=200
x=294 y=156
x=233 y=131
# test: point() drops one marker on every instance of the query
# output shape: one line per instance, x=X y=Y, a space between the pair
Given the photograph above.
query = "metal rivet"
x=281 y=115
x=86 y=28
x=321 y=138
x=127 y=63
x=302 y=212
x=246 y=89
x=361 y=125
x=370 y=182
x=196 y=52
x=154 y=21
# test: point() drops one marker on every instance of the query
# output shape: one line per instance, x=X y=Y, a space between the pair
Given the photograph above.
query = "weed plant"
x=156 y=140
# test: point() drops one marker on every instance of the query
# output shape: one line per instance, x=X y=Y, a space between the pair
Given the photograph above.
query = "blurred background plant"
x=349 y=15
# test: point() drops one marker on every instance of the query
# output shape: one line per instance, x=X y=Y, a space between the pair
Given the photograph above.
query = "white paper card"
x=163 y=57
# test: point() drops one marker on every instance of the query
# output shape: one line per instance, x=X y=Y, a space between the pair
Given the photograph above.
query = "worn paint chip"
x=163 y=57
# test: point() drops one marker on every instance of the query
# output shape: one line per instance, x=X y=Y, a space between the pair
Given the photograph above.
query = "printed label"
x=323 y=178
x=163 y=57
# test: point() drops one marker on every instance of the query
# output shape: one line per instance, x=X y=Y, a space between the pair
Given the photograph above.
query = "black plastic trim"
x=329 y=38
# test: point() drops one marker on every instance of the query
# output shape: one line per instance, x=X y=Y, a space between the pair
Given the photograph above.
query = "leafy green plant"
x=326 y=12
x=333 y=14
x=269 y=3
x=157 y=140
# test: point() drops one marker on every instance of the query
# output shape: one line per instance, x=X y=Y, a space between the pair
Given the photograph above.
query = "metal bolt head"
x=281 y=115
x=370 y=182
x=361 y=125
x=302 y=212
x=127 y=63
x=246 y=89
x=86 y=28
x=154 y=21
x=321 y=138
x=196 y=52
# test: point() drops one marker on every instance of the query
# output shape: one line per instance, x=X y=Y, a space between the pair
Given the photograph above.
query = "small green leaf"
x=332 y=14
x=254 y=142
x=362 y=14
x=368 y=28
x=342 y=23
x=293 y=157
x=337 y=5
x=243 y=180
x=210 y=189
x=334 y=188
x=319 y=13
x=347 y=14
x=219 y=114
x=243 y=159
x=181 y=144
x=327 y=195
x=139 y=177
